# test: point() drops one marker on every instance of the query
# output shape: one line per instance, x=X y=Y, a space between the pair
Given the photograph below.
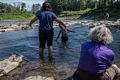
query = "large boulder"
x=9 y=64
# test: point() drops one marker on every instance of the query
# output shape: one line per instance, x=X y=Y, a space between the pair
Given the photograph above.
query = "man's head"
x=46 y=6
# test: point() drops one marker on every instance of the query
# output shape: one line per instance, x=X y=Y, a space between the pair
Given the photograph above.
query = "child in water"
x=64 y=37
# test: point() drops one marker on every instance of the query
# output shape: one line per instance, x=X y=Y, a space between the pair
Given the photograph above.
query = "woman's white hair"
x=101 y=34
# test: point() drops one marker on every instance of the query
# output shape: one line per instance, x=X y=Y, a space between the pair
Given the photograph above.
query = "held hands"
x=30 y=24
x=64 y=31
x=32 y=21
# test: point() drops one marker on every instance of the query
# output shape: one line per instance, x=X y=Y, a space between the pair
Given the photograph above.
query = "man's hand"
x=30 y=25
x=32 y=21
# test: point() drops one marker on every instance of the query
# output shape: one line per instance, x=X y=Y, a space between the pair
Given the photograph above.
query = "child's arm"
x=58 y=35
x=63 y=27
x=70 y=30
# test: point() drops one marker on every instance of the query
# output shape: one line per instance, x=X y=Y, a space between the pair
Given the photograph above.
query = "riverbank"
x=111 y=12
x=16 y=16
x=15 y=27
x=24 y=25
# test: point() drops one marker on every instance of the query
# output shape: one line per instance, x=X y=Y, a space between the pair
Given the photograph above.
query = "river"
x=65 y=59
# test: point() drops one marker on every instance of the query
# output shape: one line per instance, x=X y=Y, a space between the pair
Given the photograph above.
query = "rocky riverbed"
x=15 y=27
x=24 y=25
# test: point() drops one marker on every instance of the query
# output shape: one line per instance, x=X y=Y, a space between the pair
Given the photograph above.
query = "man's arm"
x=33 y=20
x=61 y=23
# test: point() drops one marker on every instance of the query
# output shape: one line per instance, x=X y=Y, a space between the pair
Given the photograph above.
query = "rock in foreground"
x=39 y=78
x=9 y=64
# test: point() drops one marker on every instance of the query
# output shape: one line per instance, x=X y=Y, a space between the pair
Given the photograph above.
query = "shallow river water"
x=65 y=59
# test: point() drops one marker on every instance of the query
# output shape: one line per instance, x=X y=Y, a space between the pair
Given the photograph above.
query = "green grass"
x=97 y=13
x=73 y=13
x=27 y=16
x=90 y=13
x=16 y=16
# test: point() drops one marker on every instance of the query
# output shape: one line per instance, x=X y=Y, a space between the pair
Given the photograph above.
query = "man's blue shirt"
x=46 y=19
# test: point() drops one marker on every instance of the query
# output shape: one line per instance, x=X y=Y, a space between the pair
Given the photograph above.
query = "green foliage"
x=72 y=13
x=35 y=8
x=99 y=13
x=16 y=16
x=16 y=7
x=56 y=5
x=63 y=8
x=71 y=5
x=23 y=5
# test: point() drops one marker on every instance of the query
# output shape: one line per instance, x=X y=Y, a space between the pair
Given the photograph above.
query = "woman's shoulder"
x=109 y=51
x=87 y=44
x=105 y=51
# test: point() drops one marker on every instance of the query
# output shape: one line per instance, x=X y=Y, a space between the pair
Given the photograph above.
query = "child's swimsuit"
x=64 y=39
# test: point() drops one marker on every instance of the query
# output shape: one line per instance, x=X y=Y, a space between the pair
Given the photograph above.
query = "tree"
x=74 y=5
x=23 y=6
x=4 y=7
x=35 y=7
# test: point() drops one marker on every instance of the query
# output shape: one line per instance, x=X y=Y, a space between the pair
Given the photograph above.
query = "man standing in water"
x=46 y=18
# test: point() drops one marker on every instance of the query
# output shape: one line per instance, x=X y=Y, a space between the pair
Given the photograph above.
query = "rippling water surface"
x=65 y=59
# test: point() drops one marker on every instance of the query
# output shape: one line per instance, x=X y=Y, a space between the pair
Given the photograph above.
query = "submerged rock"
x=9 y=64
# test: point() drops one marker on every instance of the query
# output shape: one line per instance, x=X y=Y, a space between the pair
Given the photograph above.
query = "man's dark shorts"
x=45 y=36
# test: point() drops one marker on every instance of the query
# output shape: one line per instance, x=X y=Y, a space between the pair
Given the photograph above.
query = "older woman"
x=96 y=59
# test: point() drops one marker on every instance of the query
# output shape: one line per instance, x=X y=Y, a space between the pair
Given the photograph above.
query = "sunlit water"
x=65 y=59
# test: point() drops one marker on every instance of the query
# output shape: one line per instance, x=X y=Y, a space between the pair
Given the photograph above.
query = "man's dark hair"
x=46 y=6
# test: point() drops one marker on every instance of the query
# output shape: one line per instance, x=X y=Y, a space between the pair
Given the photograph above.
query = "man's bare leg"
x=50 y=49
x=41 y=53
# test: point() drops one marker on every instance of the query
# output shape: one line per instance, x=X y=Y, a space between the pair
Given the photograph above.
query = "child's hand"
x=64 y=31
x=70 y=30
